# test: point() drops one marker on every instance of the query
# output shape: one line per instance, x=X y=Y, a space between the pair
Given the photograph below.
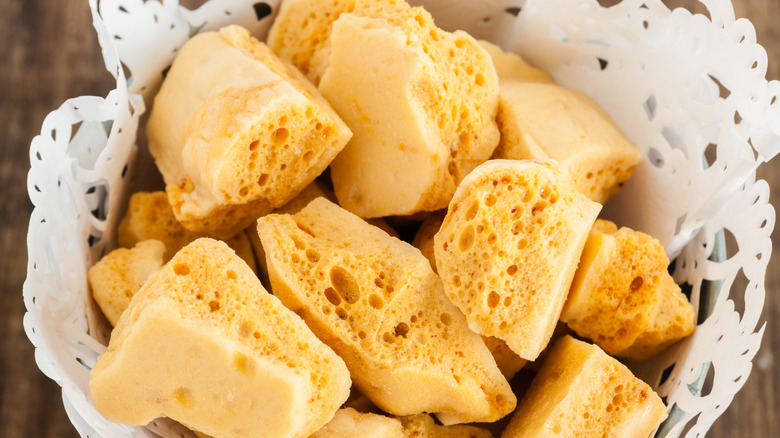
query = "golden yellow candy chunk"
x=204 y=344
x=118 y=276
x=539 y=119
x=582 y=392
x=150 y=216
x=623 y=297
x=508 y=249
x=236 y=132
x=375 y=300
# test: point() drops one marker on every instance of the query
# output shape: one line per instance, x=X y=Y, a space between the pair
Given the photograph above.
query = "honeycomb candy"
x=236 y=132
x=507 y=361
x=508 y=249
x=375 y=300
x=582 y=392
x=204 y=344
x=511 y=67
x=150 y=216
x=349 y=423
x=539 y=119
x=312 y=191
x=623 y=297
x=119 y=274
x=421 y=122
x=301 y=30
x=423 y=239
x=423 y=426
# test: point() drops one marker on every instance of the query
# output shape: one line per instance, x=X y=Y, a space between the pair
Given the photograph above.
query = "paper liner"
x=689 y=90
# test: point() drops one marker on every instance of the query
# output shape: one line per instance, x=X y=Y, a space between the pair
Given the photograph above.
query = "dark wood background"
x=49 y=53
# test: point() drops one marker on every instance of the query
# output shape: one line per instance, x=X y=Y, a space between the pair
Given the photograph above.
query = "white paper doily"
x=688 y=90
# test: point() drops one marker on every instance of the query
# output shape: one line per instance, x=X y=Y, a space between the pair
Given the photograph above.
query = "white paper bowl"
x=690 y=92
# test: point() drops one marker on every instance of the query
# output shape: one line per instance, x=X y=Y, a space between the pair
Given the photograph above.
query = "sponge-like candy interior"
x=376 y=301
x=150 y=216
x=118 y=276
x=236 y=133
x=581 y=391
x=675 y=320
x=540 y=121
x=623 y=297
x=508 y=249
x=419 y=127
x=301 y=30
x=203 y=343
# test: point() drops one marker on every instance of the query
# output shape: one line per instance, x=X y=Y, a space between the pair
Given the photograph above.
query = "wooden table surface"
x=50 y=53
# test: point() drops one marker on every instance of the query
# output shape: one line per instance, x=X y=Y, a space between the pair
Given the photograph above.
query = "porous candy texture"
x=150 y=216
x=582 y=392
x=508 y=249
x=204 y=344
x=547 y=121
x=236 y=132
x=413 y=145
x=375 y=300
x=623 y=297
x=121 y=273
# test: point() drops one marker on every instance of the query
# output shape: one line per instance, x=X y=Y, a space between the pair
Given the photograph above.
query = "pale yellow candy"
x=511 y=67
x=582 y=392
x=540 y=120
x=623 y=297
x=375 y=300
x=508 y=249
x=236 y=132
x=119 y=274
x=349 y=423
x=204 y=344
x=420 y=125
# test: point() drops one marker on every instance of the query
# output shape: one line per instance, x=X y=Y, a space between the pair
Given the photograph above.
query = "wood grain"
x=50 y=54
